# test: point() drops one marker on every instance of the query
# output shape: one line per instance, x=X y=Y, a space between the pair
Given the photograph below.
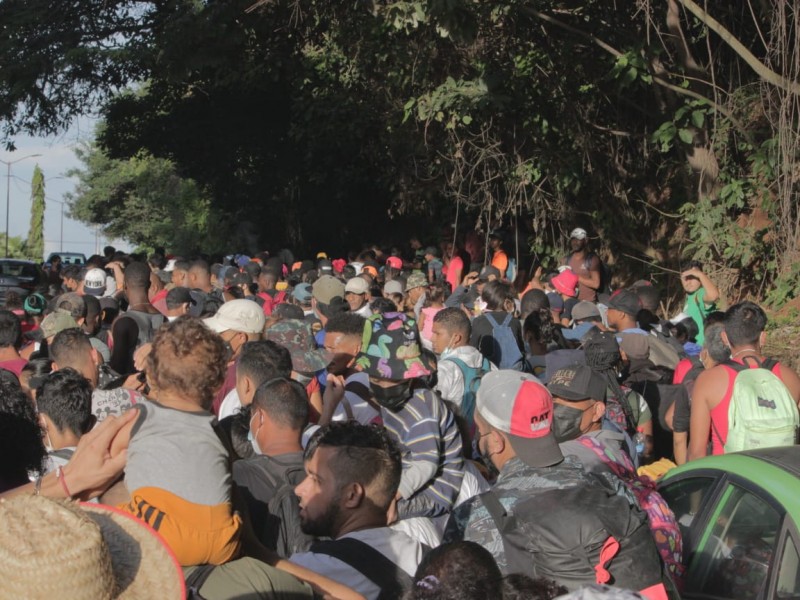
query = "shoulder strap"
x=507 y=320
x=492 y=321
x=459 y=363
x=196 y=579
x=359 y=389
x=368 y=561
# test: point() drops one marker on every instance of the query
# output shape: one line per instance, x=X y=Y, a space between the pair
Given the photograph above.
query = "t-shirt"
x=500 y=261
x=179 y=452
x=435 y=266
x=398 y=547
x=578 y=265
x=356 y=386
x=698 y=309
x=454 y=271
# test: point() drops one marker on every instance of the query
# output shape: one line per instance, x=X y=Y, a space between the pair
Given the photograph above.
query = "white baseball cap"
x=578 y=233
x=94 y=283
x=356 y=285
x=238 y=315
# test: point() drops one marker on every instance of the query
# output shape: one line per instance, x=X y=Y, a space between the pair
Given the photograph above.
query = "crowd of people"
x=420 y=424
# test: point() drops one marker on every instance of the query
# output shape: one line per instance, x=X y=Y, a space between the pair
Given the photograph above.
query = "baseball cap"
x=94 y=283
x=356 y=285
x=237 y=315
x=487 y=271
x=584 y=310
x=578 y=233
x=415 y=280
x=577 y=383
x=326 y=288
x=394 y=286
x=625 y=301
x=170 y=265
x=519 y=405
x=302 y=293
x=565 y=282
x=325 y=266
x=394 y=262
x=56 y=321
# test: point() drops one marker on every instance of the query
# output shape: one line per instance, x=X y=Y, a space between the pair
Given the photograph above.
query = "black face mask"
x=567 y=422
x=392 y=397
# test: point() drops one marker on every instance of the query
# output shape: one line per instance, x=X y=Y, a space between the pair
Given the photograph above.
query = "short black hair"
x=71 y=272
x=10 y=330
x=200 y=265
x=692 y=264
x=459 y=571
x=137 y=275
x=453 y=319
x=285 y=401
x=67 y=343
x=496 y=293
x=93 y=308
x=181 y=265
x=65 y=396
x=533 y=300
x=348 y=323
x=518 y=586
x=264 y=360
x=382 y=305
x=237 y=427
x=744 y=323
x=365 y=454
x=20 y=436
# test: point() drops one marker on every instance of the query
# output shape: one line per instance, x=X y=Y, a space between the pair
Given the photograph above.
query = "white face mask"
x=448 y=350
x=252 y=437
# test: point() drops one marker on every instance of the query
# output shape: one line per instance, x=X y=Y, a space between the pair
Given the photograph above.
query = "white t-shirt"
x=230 y=405
x=398 y=547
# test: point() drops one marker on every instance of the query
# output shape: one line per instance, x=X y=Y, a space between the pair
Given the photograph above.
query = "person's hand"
x=141 y=355
x=469 y=278
x=693 y=272
x=334 y=391
x=536 y=282
x=92 y=467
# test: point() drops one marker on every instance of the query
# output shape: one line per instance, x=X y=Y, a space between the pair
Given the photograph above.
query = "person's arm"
x=700 y=420
x=711 y=291
x=592 y=280
x=422 y=461
x=92 y=468
x=334 y=393
x=680 y=444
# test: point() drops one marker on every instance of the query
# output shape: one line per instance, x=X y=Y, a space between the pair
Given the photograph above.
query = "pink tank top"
x=719 y=414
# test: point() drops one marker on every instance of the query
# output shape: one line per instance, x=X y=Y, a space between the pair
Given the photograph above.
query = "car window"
x=734 y=557
x=685 y=497
x=789 y=571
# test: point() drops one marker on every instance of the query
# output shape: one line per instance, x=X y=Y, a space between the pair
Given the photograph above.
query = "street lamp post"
x=8 y=187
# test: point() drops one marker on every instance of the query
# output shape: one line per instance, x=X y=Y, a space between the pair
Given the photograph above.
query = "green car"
x=739 y=516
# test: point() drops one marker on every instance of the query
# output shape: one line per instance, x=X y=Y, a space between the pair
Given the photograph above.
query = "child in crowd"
x=178 y=470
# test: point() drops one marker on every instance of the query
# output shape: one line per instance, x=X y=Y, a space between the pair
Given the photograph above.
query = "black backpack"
x=576 y=536
x=282 y=529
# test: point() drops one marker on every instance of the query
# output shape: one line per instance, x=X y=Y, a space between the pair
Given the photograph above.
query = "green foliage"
x=34 y=245
x=16 y=248
x=145 y=201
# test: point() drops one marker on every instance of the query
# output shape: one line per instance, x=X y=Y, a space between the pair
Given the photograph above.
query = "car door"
x=785 y=583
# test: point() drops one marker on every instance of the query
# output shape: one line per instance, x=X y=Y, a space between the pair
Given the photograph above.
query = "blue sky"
x=57 y=157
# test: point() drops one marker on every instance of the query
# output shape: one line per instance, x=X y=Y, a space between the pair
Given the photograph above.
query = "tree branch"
x=656 y=79
x=760 y=68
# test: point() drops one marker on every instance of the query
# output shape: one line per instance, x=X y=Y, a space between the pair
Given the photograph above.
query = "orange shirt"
x=500 y=260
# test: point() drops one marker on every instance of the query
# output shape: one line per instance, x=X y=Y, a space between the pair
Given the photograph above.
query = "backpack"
x=577 y=536
x=472 y=381
x=663 y=526
x=504 y=345
x=282 y=529
x=147 y=323
x=762 y=412
x=511 y=271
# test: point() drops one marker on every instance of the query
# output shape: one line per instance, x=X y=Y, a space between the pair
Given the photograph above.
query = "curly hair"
x=188 y=358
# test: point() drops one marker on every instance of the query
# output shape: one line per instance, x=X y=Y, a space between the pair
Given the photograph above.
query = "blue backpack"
x=505 y=349
x=472 y=381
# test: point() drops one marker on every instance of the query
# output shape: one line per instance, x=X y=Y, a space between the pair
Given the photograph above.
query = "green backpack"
x=762 y=412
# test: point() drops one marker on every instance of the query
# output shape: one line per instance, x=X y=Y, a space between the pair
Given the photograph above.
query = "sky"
x=57 y=157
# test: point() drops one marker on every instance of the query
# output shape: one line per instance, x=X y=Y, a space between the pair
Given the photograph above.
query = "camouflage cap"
x=295 y=335
x=415 y=280
x=56 y=321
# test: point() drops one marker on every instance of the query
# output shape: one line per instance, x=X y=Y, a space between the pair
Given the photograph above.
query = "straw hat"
x=60 y=549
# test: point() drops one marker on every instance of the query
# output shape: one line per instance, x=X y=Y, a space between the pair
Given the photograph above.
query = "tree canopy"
x=670 y=132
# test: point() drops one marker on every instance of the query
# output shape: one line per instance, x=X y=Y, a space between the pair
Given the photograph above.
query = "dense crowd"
x=417 y=423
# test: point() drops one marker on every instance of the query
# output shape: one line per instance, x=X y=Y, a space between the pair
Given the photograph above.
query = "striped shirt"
x=426 y=431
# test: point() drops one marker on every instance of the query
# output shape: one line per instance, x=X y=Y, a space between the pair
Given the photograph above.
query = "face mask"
x=567 y=422
x=228 y=351
x=486 y=459
x=448 y=350
x=392 y=397
x=252 y=437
